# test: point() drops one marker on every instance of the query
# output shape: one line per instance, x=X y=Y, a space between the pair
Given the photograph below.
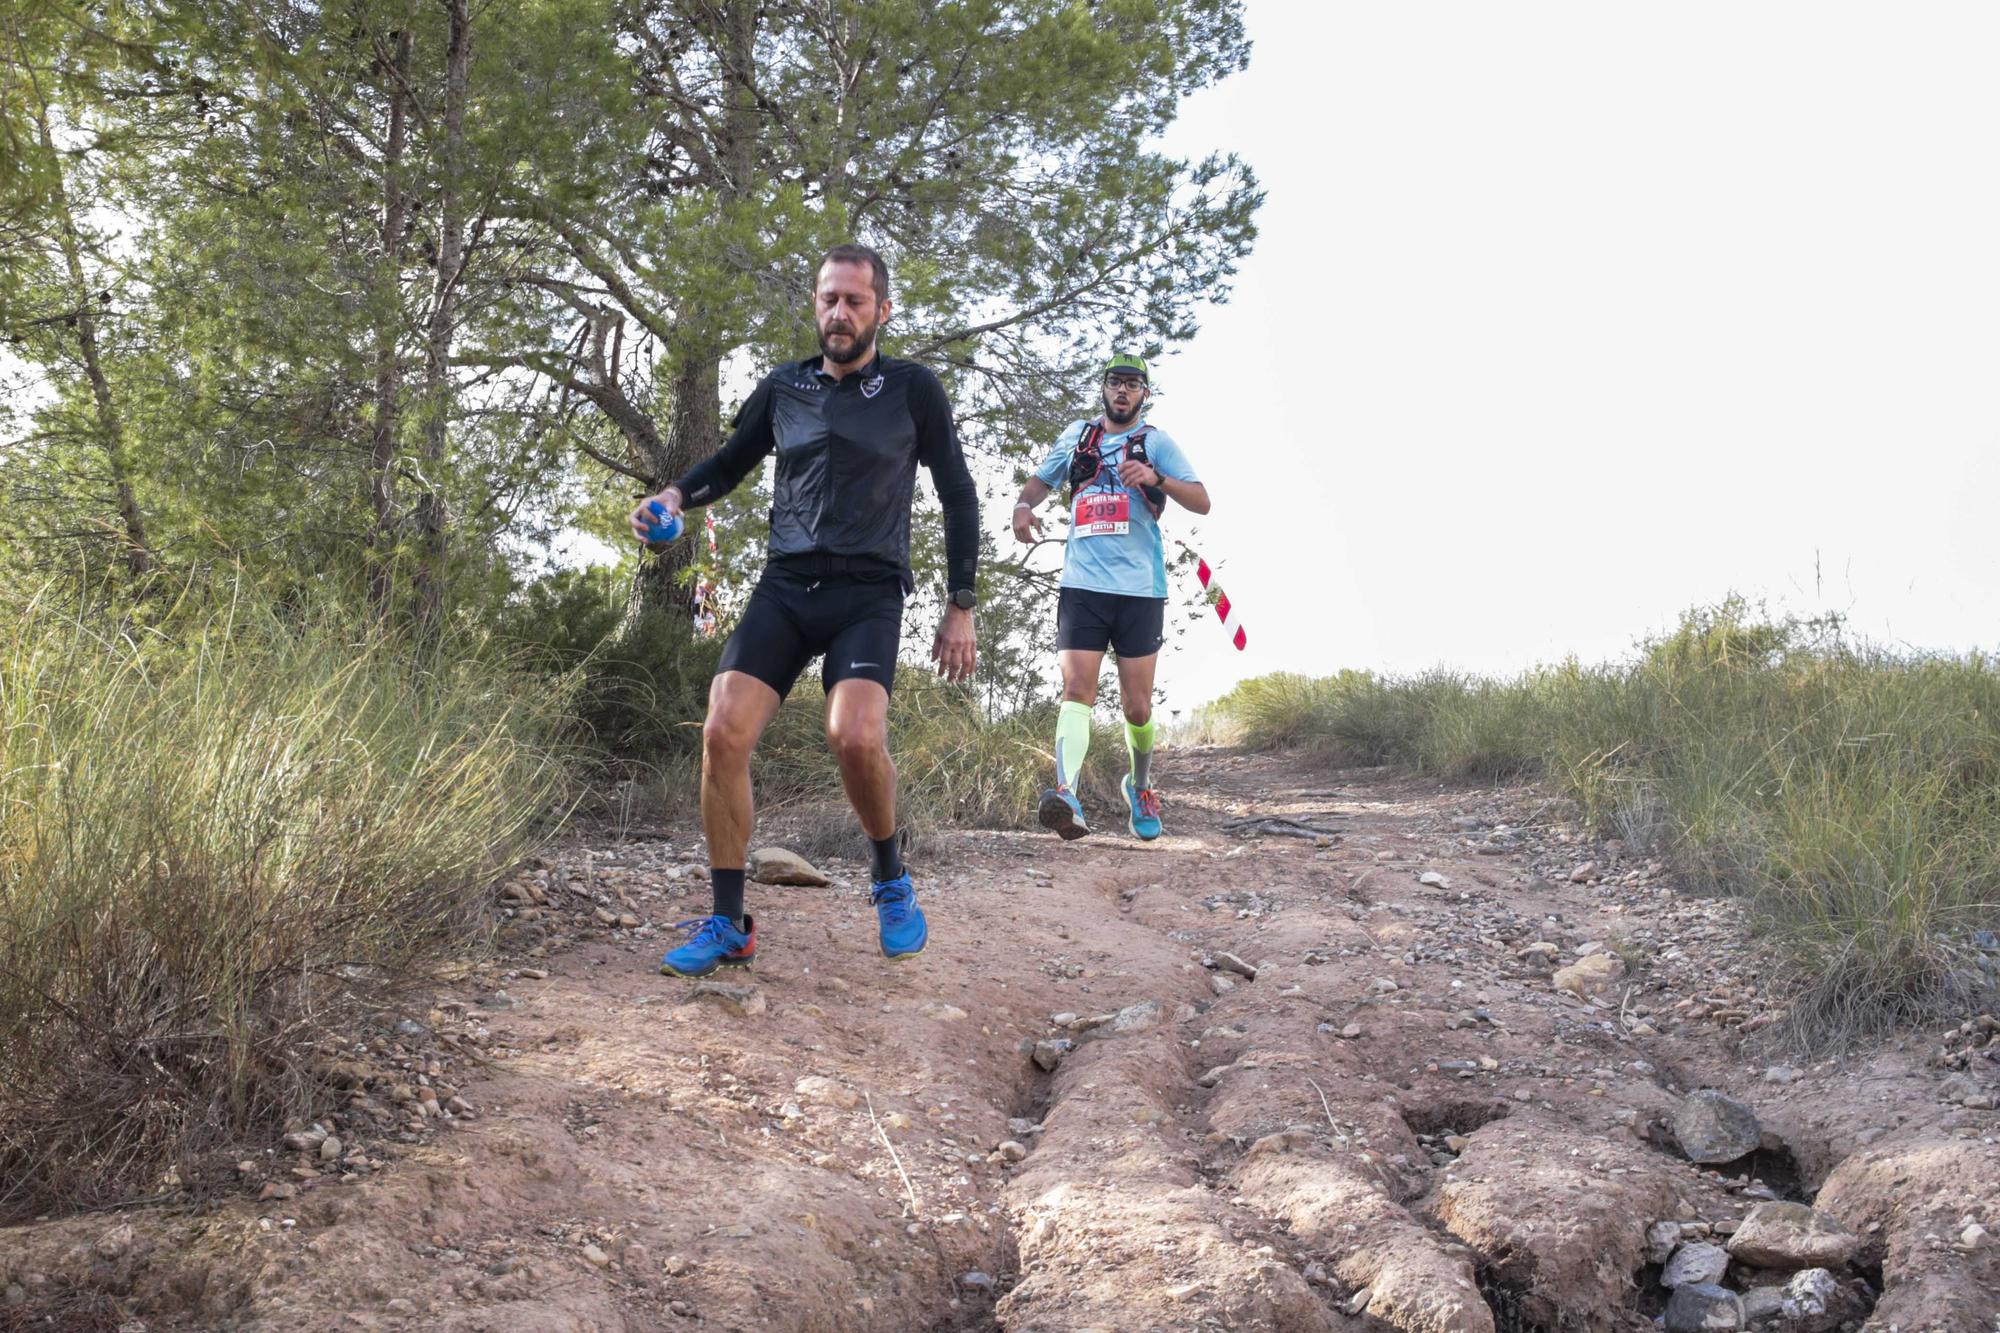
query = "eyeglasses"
x=1117 y=382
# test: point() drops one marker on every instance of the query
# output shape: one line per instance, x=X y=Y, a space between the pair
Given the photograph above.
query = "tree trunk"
x=430 y=507
x=694 y=431
x=388 y=334
x=139 y=558
x=694 y=420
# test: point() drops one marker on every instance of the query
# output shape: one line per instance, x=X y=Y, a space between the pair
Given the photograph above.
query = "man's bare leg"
x=1080 y=668
x=857 y=730
x=739 y=708
x=1135 y=687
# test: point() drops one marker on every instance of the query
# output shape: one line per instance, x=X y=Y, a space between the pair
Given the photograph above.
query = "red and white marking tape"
x=1224 y=610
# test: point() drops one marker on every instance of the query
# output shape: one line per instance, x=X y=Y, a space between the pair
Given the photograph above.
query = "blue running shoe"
x=1145 y=811
x=1062 y=812
x=712 y=942
x=904 y=931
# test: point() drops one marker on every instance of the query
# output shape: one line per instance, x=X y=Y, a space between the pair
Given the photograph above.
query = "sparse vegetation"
x=1848 y=790
x=223 y=837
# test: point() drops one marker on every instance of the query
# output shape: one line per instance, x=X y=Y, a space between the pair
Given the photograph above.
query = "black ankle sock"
x=888 y=857
x=728 y=886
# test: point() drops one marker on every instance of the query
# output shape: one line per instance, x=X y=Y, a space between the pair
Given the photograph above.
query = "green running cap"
x=1127 y=364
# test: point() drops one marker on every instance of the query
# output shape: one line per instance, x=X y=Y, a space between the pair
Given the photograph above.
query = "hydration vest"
x=1088 y=459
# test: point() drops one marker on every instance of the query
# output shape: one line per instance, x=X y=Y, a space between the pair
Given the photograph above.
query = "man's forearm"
x=1189 y=495
x=1033 y=493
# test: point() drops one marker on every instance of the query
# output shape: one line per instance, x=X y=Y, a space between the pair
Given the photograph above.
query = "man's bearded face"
x=847 y=312
x=1124 y=395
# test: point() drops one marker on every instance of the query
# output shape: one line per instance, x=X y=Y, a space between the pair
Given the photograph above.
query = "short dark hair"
x=855 y=253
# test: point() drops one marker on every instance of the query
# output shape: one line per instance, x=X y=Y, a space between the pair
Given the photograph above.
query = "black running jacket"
x=848 y=451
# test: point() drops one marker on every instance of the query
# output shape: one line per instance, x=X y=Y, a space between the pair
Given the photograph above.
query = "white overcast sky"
x=1565 y=318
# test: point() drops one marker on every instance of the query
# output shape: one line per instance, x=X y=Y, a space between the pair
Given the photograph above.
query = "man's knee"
x=855 y=741
x=1080 y=691
x=1138 y=711
x=729 y=733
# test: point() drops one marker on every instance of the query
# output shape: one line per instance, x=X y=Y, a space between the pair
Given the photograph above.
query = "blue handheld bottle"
x=660 y=533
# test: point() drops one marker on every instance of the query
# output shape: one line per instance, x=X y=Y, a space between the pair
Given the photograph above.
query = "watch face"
x=964 y=600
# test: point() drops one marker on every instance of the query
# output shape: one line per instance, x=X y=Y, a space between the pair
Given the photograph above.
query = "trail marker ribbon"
x=1225 y=611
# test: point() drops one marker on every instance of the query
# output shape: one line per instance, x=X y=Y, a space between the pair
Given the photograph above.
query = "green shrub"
x=1849 y=792
x=221 y=838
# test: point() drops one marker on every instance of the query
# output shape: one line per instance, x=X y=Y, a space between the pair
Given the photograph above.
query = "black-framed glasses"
x=1117 y=382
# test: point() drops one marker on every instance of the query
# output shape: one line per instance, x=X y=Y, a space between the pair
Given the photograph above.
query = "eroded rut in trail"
x=1302 y=1065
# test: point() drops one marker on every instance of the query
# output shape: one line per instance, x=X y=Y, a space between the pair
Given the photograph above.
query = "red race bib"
x=1103 y=514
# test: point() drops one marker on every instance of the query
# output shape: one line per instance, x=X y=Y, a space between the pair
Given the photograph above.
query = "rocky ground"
x=1343 y=1051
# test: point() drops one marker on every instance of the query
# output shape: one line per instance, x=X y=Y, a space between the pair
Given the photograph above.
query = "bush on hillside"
x=1850 y=792
x=221 y=839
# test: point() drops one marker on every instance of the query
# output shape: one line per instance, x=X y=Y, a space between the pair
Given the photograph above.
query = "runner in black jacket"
x=849 y=427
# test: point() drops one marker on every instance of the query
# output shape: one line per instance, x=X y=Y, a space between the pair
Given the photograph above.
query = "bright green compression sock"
x=1072 y=741
x=1139 y=740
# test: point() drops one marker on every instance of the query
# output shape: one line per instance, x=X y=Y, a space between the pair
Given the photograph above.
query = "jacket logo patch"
x=871 y=386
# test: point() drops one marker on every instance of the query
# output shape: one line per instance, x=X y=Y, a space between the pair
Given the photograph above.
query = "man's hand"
x=1134 y=473
x=956 y=649
x=642 y=517
x=1027 y=523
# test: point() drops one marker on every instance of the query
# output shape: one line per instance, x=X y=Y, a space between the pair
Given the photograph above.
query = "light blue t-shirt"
x=1100 y=557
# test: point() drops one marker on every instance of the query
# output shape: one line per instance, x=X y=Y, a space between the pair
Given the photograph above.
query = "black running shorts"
x=856 y=620
x=1092 y=621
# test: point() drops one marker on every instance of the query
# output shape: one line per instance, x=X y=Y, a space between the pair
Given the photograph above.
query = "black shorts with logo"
x=797 y=612
x=1091 y=621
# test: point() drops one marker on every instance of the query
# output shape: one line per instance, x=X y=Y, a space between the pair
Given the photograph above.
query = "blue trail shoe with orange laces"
x=904 y=931
x=1143 y=808
x=712 y=942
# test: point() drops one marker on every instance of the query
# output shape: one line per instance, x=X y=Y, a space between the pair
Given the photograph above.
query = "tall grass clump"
x=1848 y=791
x=221 y=839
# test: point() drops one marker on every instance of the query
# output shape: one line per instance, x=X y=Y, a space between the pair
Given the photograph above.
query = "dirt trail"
x=1377 y=1113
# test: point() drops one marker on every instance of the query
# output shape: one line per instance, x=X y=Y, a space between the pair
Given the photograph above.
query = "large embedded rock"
x=827 y=1091
x=1129 y=1021
x=775 y=865
x=1712 y=1128
x=1791 y=1235
x=1560 y=1226
x=1905 y=1196
x=1590 y=975
x=743 y=1001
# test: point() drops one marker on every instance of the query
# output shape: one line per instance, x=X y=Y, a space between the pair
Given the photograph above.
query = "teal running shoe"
x=712 y=942
x=1061 y=812
x=1144 y=808
x=904 y=931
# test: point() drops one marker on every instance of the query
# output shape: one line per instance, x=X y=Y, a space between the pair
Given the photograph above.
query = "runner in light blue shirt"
x=1121 y=471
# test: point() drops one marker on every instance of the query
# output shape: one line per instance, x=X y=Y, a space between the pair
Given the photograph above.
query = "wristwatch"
x=965 y=599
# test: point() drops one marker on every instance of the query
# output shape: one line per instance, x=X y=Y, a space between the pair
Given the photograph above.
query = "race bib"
x=1103 y=514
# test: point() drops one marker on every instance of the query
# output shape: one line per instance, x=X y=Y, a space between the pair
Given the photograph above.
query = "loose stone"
x=775 y=865
x=1703 y=1307
x=1694 y=1264
x=1713 y=1128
